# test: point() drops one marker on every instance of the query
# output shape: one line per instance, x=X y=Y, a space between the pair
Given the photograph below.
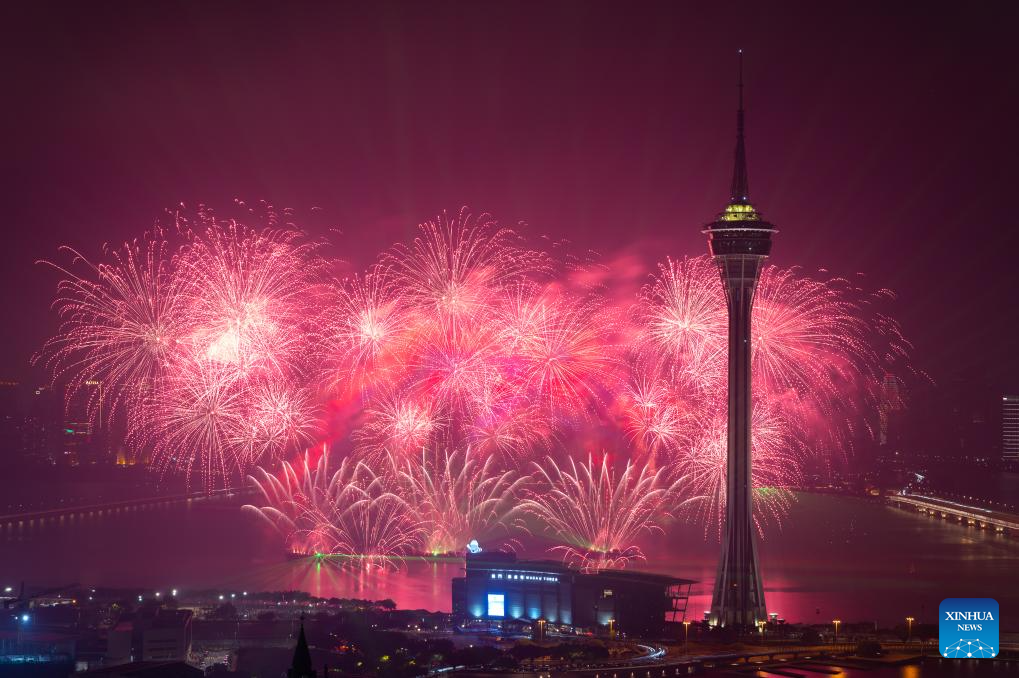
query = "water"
x=834 y=556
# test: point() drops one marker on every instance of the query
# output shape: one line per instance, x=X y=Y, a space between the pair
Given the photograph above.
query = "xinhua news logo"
x=968 y=628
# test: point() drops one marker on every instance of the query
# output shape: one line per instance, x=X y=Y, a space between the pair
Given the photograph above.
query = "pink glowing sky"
x=879 y=138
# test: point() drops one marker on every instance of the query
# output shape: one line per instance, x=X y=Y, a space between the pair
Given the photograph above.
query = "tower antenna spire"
x=741 y=84
x=740 y=190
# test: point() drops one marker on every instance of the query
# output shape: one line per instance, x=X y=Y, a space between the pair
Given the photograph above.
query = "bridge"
x=42 y=516
x=964 y=514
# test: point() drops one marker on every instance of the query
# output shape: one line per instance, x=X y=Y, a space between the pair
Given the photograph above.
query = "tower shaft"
x=738 y=597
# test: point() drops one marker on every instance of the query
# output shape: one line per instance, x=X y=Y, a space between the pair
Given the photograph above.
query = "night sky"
x=881 y=137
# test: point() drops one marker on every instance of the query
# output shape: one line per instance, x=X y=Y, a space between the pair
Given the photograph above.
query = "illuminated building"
x=739 y=241
x=1010 y=427
x=498 y=588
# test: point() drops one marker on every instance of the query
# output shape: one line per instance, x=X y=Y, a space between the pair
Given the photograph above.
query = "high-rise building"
x=739 y=241
x=1010 y=427
x=42 y=427
x=84 y=441
x=891 y=402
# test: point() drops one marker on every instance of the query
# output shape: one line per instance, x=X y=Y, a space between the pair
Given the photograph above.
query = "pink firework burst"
x=701 y=469
x=654 y=417
x=280 y=417
x=251 y=295
x=454 y=367
x=351 y=511
x=564 y=351
x=683 y=321
x=809 y=337
x=398 y=423
x=194 y=423
x=365 y=329
x=510 y=427
x=457 y=264
x=121 y=322
x=597 y=511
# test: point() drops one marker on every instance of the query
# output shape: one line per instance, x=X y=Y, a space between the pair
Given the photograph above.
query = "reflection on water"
x=833 y=556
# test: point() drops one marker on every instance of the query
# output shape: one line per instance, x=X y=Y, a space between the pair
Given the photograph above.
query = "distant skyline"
x=880 y=138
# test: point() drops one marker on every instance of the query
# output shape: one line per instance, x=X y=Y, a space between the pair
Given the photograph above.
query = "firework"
x=653 y=416
x=599 y=512
x=564 y=350
x=365 y=329
x=682 y=313
x=509 y=426
x=351 y=511
x=818 y=350
x=121 y=321
x=397 y=423
x=202 y=349
x=194 y=423
x=250 y=295
x=457 y=265
x=222 y=352
x=459 y=496
x=702 y=469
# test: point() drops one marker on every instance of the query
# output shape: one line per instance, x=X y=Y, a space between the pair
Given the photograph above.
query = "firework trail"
x=599 y=512
x=351 y=511
x=459 y=496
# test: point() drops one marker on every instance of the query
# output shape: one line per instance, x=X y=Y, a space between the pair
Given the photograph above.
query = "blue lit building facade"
x=499 y=588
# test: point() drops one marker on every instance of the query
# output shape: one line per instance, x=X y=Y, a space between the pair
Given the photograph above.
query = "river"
x=833 y=556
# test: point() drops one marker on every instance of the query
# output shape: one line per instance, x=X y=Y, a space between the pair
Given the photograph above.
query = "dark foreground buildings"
x=739 y=241
x=499 y=588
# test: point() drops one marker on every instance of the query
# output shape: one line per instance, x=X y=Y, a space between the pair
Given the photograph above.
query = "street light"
x=909 y=627
x=836 y=622
x=686 y=636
